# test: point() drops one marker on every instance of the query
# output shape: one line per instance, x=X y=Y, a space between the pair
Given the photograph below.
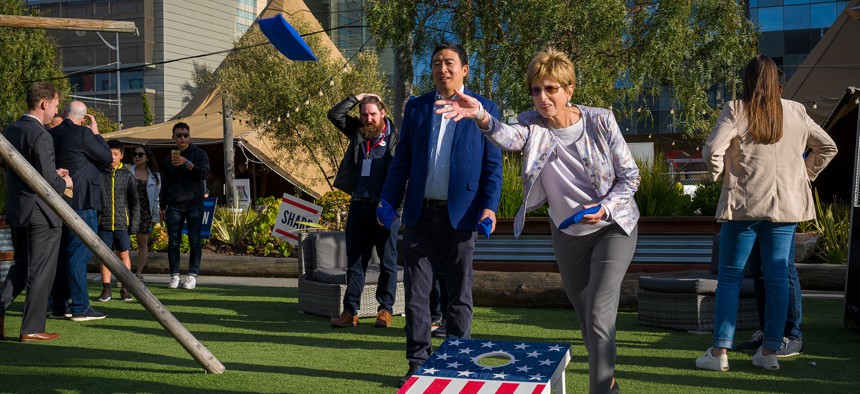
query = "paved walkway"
x=162 y=279
x=204 y=280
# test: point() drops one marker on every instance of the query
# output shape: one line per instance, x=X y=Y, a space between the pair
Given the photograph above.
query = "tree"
x=624 y=51
x=147 y=113
x=288 y=100
x=29 y=55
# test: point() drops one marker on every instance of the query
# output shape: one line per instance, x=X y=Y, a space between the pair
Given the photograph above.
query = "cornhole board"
x=460 y=366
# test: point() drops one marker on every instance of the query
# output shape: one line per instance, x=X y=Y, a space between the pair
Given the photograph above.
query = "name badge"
x=365 y=167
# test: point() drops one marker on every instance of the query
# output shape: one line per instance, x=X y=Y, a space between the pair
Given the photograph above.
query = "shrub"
x=706 y=198
x=335 y=206
x=660 y=193
x=512 y=185
x=259 y=239
x=833 y=222
x=230 y=225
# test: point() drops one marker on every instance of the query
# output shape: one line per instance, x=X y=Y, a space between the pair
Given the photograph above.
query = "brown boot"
x=383 y=319
x=346 y=319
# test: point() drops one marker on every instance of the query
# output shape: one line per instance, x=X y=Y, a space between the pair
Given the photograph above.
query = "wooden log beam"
x=38 y=22
x=40 y=186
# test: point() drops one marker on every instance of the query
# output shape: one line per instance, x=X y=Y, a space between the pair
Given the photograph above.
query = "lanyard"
x=381 y=139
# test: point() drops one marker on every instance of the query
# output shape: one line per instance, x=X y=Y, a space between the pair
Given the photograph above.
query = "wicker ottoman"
x=688 y=303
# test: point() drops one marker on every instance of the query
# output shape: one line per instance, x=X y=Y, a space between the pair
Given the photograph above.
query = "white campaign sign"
x=294 y=210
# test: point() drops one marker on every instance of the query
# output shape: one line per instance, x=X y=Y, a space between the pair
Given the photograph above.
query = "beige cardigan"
x=767 y=181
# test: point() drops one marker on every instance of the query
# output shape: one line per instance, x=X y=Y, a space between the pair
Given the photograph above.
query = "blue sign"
x=208 y=214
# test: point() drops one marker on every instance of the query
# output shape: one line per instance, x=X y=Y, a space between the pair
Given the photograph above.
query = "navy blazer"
x=475 y=181
x=29 y=137
x=84 y=154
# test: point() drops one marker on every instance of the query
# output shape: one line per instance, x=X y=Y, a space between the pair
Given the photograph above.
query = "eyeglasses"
x=139 y=154
x=549 y=89
x=182 y=135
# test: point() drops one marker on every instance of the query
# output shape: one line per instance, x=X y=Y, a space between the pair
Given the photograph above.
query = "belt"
x=365 y=199
x=431 y=203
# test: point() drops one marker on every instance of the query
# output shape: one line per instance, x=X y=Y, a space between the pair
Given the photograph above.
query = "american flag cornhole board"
x=455 y=367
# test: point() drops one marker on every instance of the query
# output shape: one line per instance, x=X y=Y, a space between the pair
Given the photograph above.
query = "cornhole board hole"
x=480 y=366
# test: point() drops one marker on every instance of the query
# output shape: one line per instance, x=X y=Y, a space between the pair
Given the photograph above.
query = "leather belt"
x=430 y=203
x=365 y=199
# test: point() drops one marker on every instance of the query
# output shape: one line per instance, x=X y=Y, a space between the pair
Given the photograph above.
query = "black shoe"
x=412 y=368
x=125 y=295
x=753 y=344
x=106 y=295
x=60 y=314
x=442 y=331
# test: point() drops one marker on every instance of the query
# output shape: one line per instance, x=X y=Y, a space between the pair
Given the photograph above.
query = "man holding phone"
x=83 y=151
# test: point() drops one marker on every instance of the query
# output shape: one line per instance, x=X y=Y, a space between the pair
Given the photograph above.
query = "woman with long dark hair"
x=758 y=147
x=148 y=180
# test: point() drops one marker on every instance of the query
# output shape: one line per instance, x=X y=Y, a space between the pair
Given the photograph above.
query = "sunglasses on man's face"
x=182 y=135
x=139 y=154
x=549 y=89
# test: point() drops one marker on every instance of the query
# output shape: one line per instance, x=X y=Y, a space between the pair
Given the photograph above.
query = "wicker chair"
x=687 y=303
x=322 y=277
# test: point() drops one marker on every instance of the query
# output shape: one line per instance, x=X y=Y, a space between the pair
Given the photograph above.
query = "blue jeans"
x=795 y=307
x=193 y=216
x=737 y=239
x=71 y=279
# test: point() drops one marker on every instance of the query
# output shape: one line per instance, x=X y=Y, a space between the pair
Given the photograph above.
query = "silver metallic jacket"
x=604 y=153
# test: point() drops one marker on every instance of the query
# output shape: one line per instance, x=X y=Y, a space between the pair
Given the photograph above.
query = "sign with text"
x=294 y=210
x=208 y=214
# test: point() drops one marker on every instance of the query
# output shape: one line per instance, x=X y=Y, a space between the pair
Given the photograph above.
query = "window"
x=796 y=17
x=822 y=15
x=770 y=19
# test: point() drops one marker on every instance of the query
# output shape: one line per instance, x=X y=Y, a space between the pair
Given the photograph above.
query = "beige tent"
x=203 y=116
x=829 y=78
x=829 y=69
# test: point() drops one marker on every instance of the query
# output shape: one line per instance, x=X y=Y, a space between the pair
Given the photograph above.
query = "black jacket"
x=83 y=154
x=120 y=204
x=29 y=137
x=181 y=187
x=350 y=126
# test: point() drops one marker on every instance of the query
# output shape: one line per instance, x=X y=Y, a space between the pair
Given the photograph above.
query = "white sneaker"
x=190 y=282
x=174 y=282
x=766 y=362
x=708 y=361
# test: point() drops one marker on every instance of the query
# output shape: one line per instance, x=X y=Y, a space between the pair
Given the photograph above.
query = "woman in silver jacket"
x=574 y=159
x=148 y=181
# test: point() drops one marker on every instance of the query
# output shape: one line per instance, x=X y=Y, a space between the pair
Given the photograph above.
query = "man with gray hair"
x=82 y=151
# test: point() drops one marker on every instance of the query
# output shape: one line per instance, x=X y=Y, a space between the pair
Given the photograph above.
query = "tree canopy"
x=624 y=51
x=28 y=55
x=288 y=100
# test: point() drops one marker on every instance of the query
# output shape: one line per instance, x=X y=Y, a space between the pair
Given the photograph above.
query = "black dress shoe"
x=412 y=368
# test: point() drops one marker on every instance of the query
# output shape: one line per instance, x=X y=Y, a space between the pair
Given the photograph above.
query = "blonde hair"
x=551 y=64
x=762 y=105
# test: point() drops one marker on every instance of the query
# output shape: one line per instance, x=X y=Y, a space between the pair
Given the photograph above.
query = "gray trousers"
x=592 y=268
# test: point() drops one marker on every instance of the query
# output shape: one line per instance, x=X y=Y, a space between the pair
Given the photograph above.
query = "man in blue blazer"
x=454 y=179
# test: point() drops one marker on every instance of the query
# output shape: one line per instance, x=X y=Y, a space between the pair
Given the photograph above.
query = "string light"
x=672 y=111
x=297 y=108
x=857 y=100
x=814 y=105
x=639 y=110
x=307 y=102
x=673 y=143
x=320 y=93
x=331 y=82
x=279 y=119
x=649 y=136
x=288 y=114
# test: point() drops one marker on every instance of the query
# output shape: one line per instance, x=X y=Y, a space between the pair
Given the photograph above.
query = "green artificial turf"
x=267 y=346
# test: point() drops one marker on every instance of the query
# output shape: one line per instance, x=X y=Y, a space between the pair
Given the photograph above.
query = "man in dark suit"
x=455 y=178
x=83 y=152
x=36 y=228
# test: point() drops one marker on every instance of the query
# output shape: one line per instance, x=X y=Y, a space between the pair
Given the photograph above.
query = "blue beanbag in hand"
x=575 y=218
x=485 y=227
x=386 y=214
